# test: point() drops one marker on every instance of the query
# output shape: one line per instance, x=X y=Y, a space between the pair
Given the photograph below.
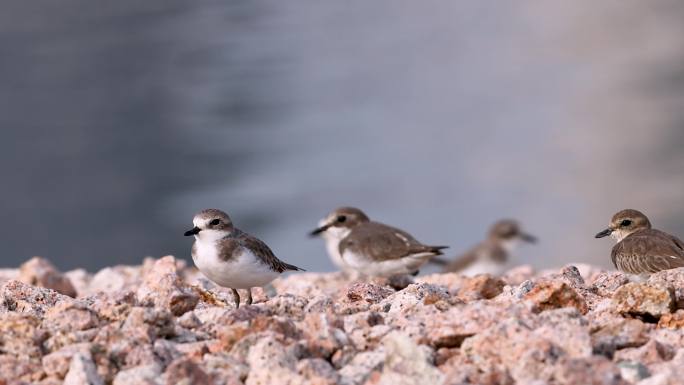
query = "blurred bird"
x=489 y=256
x=356 y=243
x=641 y=250
x=230 y=257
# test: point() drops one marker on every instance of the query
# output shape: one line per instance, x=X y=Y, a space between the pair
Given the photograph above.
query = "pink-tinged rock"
x=20 y=370
x=113 y=279
x=288 y=305
x=368 y=293
x=452 y=282
x=667 y=373
x=57 y=363
x=448 y=329
x=317 y=371
x=406 y=363
x=626 y=333
x=554 y=294
x=139 y=375
x=38 y=271
x=82 y=371
x=652 y=352
x=269 y=353
x=672 y=320
x=362 y=366
x=224 y=369
x=232 y=333
x=460 y=370
x=162 y=287
x=184 y=371
x=594 y=370
x=70 y=316
x=513 y=345
x=673 y=279
x=23 y=298
x=481 y=286
x=323 y=334
x=21 y=334
x=8 y=274
x=567 y=329
x=147 y=324
x=643 y=299
x=606 y=283
x=80 y=279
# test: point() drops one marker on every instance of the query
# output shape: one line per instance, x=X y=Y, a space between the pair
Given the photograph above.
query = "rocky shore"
x=163 y=323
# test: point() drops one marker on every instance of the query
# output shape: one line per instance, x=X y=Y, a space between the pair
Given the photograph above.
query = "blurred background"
x=122 y=119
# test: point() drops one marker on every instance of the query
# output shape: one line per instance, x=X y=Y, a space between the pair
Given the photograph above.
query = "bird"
x=230 y=257
x=491 y=255
x=355 y=243
x=640 y=249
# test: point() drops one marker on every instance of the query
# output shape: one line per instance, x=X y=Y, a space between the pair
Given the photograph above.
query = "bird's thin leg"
x=249 y=296
x=236 y=295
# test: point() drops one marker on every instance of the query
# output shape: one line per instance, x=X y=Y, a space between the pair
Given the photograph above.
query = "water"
x=121 y=120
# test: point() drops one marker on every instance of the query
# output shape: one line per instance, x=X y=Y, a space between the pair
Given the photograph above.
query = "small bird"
x=354 y=242
x=490 y=256
x=641 y=250
x=230 y=257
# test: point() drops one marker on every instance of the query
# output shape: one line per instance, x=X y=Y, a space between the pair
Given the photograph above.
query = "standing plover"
x=371 y=248
x=490 y=256
x=230 y=257
x=641 y=250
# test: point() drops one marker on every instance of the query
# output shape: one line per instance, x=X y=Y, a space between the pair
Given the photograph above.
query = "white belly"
x=241 y=272
x=406 y=265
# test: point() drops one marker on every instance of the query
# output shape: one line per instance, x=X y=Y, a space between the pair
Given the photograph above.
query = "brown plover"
x=641 y=250
x=491 y=255
x=371 y=248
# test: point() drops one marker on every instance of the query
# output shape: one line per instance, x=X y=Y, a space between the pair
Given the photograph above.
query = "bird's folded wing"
x=379 y=242
x=648 y=252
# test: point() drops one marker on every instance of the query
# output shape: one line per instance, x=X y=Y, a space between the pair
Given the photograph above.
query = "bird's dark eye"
x=215 y=222
x=341 y=218
x=625 y=223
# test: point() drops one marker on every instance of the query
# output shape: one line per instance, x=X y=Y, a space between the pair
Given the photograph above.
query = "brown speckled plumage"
x=648 y=251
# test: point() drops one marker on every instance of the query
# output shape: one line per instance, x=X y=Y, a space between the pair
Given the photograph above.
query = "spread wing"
x=648 y=251
x=380 y=242
x=264 y=253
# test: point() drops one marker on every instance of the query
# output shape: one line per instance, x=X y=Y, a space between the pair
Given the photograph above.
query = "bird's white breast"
x=241 y=271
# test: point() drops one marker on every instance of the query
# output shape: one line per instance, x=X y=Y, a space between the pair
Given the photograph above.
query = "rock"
x=142 y=375
x=406 y=363
x=672 y=320
x=643 y=299
x=316 y=371
x=19 y=297
x=367 y=293
x=672 y=279
x=554 y=294
x=594 y=370
x=606 y=283
x=147 y=325
x=38 y=271
x=184 y=371
x=481 y=286
x=82 y=371
x=626 y=333
x=162 y=287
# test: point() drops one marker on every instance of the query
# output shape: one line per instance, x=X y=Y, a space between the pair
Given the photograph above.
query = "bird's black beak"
x=318 y=230
x=192 y=231
x=604 y=233
x=528 y=238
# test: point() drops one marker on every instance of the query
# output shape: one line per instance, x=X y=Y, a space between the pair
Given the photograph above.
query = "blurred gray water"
x=122 y=119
